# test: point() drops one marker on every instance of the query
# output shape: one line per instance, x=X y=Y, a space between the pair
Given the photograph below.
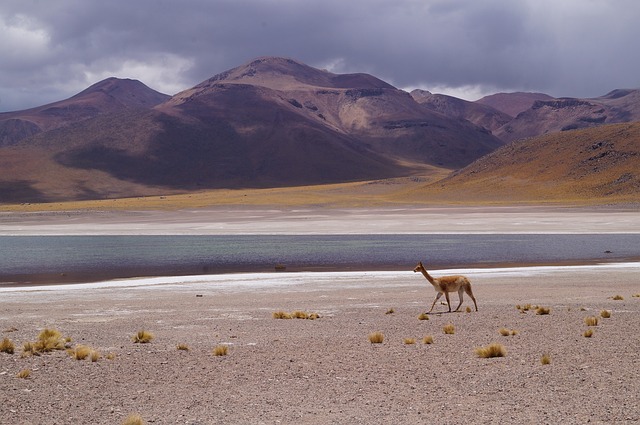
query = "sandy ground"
x=326 y=371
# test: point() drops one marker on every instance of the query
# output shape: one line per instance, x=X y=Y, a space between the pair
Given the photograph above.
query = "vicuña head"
x=446 y=284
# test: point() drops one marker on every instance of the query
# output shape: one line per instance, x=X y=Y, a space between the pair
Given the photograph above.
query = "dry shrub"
x=390 y=311
x=280 y=315
x=545 y=360
x=514 y=332
x=588 y=333
x=605 y=314
x=221 y=350
x=540 y=311
x=468 y=309
x=80 y=352
x=133 y=419
x=29 y=349
x=24 y=373
x=49 y=340
x=504 y=332
x=110 y=356
x=636 y=295
x=298 y=314
x=95 y=356
x=142 y=337
x=618 y=298
x=427 y=339
x=591 y=321
x=449 y=329
x=409 y=341
x=423 y=316
x=183 y=347
x=491 y=350
x=7 y=346
x=376 y=337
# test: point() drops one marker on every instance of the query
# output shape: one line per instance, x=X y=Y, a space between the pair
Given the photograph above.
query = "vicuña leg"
x=436 y=300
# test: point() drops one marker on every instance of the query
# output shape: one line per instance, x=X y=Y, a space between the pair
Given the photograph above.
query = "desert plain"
x=326 y=371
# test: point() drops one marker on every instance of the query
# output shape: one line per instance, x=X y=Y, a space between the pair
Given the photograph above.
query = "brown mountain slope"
x=512 y=103
x=110 y=95
x=479 y=114
x=548 y=116
x=272 y=122
x=599 y=164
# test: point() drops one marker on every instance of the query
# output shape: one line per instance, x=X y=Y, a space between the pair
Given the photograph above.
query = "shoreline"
x=71 y=279
x=309 y=220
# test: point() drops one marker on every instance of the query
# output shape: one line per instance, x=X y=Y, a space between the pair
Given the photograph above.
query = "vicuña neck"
x=427 y=275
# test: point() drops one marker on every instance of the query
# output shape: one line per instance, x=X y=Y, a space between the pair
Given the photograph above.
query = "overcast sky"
x=52 y=49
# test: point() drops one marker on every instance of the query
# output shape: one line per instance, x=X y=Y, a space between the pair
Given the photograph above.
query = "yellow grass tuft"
x=618 y=298
x=110 y=356
x=504 y=332
x=423 y=316
x=409 y=341
x=49 y=340
x=468 y=309
x=95 y=356
x=591 y=321
x=491 y=350
x=542 y=310
x=449 y=329
x=221 y=350
x=390 y=311
x=183 y=347
x=427 y=339
x=80 y=352
x=376 y=337
x=545 y=360
x=133 y=419
x=24 y=373
x=514 y=332
x=142 y=337
x=298 y=314
x=588 y=333
x=605 y=314
x=29 y=349
x=636 y=295
x=7 y=346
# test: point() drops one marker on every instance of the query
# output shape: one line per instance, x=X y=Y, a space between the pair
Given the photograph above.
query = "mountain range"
x=272 y=122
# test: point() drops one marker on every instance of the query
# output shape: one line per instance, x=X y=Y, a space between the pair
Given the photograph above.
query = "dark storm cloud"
x=51 y=50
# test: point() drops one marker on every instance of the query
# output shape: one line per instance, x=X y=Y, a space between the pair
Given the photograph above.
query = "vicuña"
x=446 y=284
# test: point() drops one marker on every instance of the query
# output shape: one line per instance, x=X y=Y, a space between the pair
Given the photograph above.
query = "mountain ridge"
x=272 y=122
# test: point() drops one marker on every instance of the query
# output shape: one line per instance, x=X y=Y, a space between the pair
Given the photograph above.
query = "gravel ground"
x=325 y=371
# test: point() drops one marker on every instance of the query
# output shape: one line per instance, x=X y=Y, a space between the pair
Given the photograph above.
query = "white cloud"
x=162 y=72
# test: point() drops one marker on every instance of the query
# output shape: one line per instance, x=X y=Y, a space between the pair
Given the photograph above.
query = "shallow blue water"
x=122 y=256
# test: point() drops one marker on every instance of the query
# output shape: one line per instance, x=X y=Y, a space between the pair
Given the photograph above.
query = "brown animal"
x=446 y=284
